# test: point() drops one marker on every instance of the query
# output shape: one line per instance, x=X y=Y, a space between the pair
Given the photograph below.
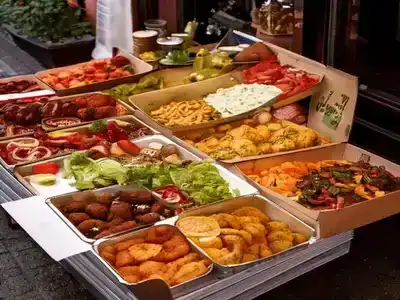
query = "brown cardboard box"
x=331 y=222
x=141 y=68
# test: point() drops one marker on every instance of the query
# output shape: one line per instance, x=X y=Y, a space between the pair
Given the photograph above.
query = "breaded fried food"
x=109 y=257
x=259 y=250
x=275 y=225
x=188 y=272
x=124 y=226
x=226 y=221
x=280 y=235
x=97 y=210
x=236 y=245
x=255 y=229
x=299 y=238
x=132 y=278
x=209 y=242
x=247 y=257
x=91 y=227
x=173 y=249
x=159 y=234
x=128 y=270
x=121 y=210
x=248 y=219
x=216 y=254
x=77 y=218
x=126 y=244
x=124 y=258
x=259 y=240
x=244 y=234
x=144 y=251
x=280 y=245
x=110 y=249
x=149 y=267
x=251 y=211
x=74 y=207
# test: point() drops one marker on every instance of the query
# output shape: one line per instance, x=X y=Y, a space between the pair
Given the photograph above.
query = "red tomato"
x=129 y=147
x=45 y=168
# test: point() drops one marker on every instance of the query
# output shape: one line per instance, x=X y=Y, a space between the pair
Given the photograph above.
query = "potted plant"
x=49 y=30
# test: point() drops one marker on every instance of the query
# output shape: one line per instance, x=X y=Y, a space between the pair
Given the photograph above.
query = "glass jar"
x=277 y=17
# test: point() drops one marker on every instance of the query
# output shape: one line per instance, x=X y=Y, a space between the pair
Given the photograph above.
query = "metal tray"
x=77 y=128
x=57 y=202
x=102 y=243
x=269 y=208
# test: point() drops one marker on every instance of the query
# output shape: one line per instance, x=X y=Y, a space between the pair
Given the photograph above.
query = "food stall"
x=143 y=189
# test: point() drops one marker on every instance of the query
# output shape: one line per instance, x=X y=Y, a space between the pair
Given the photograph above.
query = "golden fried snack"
x=125 y=245
x=236 y=245
x=124 y=258
x=260 y=250
x=247 y=257
x=132 y=278
x=280 y=245
x=299 y=238
x=280 y=235
x=208 y=242
x=149 y=267
x=173 y=249
x=174 y=266
x=275 y=225
x=128 y=270
x=242 y=233
x=109 y=257
x=259 y=240
x=226 y=221
x=248 y=219
x=188 y=272
x=144 y=251
x=255 y=229
x=252 y=211
x=159 y=234
x=216 y=254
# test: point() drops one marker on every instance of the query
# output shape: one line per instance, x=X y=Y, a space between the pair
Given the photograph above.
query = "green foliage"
x=48 y=20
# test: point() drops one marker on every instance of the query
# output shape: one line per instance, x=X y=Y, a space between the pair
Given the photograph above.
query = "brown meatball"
x=97 y=210
x=91 y=227
x=77 y=218
x=115 y=222
x=105 y=198
x=141 y=209
x=124 y=226
x=74 y=207
x=138 y=197
x=157 y=207
x=149 y=218
x=120 y=210
x=104 y=233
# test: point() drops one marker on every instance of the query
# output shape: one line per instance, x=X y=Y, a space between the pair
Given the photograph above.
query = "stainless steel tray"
x=78 y=128
x=57 y=202
x=275 y=212
x=100 y=244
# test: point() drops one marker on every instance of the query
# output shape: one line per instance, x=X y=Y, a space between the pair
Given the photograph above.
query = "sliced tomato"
x=129 y=147
x=45 y=168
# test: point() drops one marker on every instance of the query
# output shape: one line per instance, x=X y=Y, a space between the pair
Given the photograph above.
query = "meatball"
x=91 y=227
x=115 y=222
x=124 y=226
x=120 y=210
x=157 y=207
x=97 y=210
x=139 y=197
x=74 y=207
x=105 y=198
x=77 y=218
x=149 y=218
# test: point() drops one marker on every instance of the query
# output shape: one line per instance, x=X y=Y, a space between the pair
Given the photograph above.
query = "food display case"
x=113 y=218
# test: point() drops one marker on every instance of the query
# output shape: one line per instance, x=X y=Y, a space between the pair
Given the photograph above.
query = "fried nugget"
x=259 y=240
x=74 y=207
x=132 y=278
x=209 y=242
x=129 y=271
x=226 y=221
x=247 y=257
x=275 y=225
x=255 y=229
x=145 y=251
x=109 y=257
x=216 y=254
x=97 y=210
x=299 y=238
x=251 y=211
x=124 y=258
x=105 y=198
x=77 y=218
x=280 y=245
x=122 y=210
x=173 y=249
x=244 y=234
x=259 y=250
x=126 y=244
x=280 y=235
x=110 y=249
x=148 y=268
x=188 y=272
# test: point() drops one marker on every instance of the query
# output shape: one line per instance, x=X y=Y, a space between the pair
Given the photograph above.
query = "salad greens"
x=200 y=180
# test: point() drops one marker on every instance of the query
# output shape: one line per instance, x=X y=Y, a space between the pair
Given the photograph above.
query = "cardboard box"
x=331 y=222
x=141 y=68
x=44 y=88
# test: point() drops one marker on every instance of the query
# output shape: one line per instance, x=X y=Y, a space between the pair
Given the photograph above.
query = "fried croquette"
x=247 y=257
x=244 y=234
x=299 y=238
x=91 y=227
x=280 y=245
x=124 y=226
x=259 y=250
x=251 y=211
x=132 y=278
x=173 y=249
x=275 y=225
x=159 y=234
x=137 y=197
x=77 y=218
x=209 y=242
x=226 y=221
x=97 y=210
x=280 y=235
x=121 y=246
x=149 y=218
x=105 y=198
x=120 y=210
x=255 y=229
x=124 y=258
x=145 y=251
x=74 y=207
x=109 y=257
x=149 y=267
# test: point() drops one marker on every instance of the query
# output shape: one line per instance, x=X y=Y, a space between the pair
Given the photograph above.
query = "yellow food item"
x=198 y=226
x=280 y=245
x=208 y=242
x=276 y=225
x=280 y=235
x=144 y=251
x=299 y=238
x=184 y=113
